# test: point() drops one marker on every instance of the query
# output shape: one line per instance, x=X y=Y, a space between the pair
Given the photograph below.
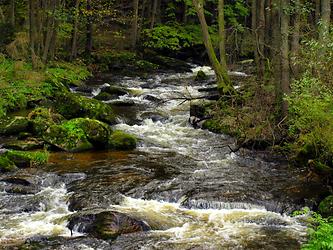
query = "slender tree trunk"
x=285 y=73
x=261 y=39
x=153 y=14
x=135 y=23
x=223 y=80
x=325 y=19
x=75 y=31
x=295 y=46
x=50 y=29
x=2 y=16
x=89 y=33
x=32 y=33
x=223 y=59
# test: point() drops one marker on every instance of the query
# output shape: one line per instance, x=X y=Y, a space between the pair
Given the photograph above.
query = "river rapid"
x=185 y=183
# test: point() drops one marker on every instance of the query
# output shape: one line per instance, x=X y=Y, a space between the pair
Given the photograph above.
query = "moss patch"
x=6 y=165
x=14 y=125
x=24 y=159
x=73 y=106
x=122 y=141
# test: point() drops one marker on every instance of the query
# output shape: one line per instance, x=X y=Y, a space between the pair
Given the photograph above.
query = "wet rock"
x=105 y=225
x=14 y=125
x=197 y=110
x=201 y=76
x=29 y=144
x=125 y=103
x=104 y=96
x=326 y=206
x=122 y=141
x=74 y=106
x=152 y=98
x=64 y=243
x=115 y=91
x=154 y=116
x=6 y=164
x=84 y=89
x=26 y=159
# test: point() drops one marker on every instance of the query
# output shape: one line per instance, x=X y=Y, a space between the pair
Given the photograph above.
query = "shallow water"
x=184 y=182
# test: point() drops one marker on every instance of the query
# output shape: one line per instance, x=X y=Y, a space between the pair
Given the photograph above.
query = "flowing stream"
x=183 y=182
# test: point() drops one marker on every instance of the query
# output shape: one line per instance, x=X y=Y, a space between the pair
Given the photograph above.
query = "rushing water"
x=184 y=182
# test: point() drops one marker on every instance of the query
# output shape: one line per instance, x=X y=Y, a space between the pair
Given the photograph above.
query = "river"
x=185 y=183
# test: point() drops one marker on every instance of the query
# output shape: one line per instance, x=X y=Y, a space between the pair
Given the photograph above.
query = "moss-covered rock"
x=6 y=164
x=42 y=118
x=115 y=90
x=67 y=138
x=326 y=206
x=24 y=145
x=25 y=159
x=122 y=141
x=103 y=96
x=14 y=125
x=73 y=106
x=95 y=131
x=201 y=76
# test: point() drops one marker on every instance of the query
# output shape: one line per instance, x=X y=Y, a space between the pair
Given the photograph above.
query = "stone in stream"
x=24 y=145
x=103 y=96
x=105 y=225
x=14 y=125
x=115 y=90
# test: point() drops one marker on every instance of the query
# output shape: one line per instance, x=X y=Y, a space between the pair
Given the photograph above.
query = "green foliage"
x=174 y=37
x=321 y=234
x=311 y=106
x=36 y=158
x=67 y=73
x=234 y=12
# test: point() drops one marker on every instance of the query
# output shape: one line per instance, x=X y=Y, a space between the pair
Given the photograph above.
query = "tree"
x=223 y=81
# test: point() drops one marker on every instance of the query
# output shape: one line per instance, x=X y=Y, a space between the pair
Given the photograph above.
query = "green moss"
x=95 y=131
x=201 y=76
x=14 y=125
x=67 y=137
x=73 y=106
x=122 y=141
x=103 y=96
x=27 y=158
x=6 y=164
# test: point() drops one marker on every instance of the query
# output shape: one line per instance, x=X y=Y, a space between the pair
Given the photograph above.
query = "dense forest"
x=127 y=82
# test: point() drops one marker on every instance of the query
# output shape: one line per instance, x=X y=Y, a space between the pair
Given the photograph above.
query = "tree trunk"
x=135 y=23
x=89 y=33
x=285 y=73
x=75 y=31
x=50 y=29
x=32 y=33
x=153 y=14
x=295 y=46
x=223 y=80
x=2 y=16
x=223 y=59
x=325 y=19
x=261 y=39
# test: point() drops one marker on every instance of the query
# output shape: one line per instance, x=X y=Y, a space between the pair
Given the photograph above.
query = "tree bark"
x=325 y=19
x=89 y=33
x=223 y=80
x=135 y=23
x=223 y=59
x=261 y=39
x=153 y=14
x=285 y=73
x=75 y=31
x=295 y=46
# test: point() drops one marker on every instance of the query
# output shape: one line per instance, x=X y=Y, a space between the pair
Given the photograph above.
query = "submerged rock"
x=105 y=225
x=201 y=76
x=114 y=90
x=14 y=125
x=104 y=96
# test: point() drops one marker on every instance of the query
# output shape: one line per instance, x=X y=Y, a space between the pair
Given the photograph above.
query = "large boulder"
x=122 y=141
x=105 y=225
x=14 y=125
x=73 y=106
x=67 y=138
